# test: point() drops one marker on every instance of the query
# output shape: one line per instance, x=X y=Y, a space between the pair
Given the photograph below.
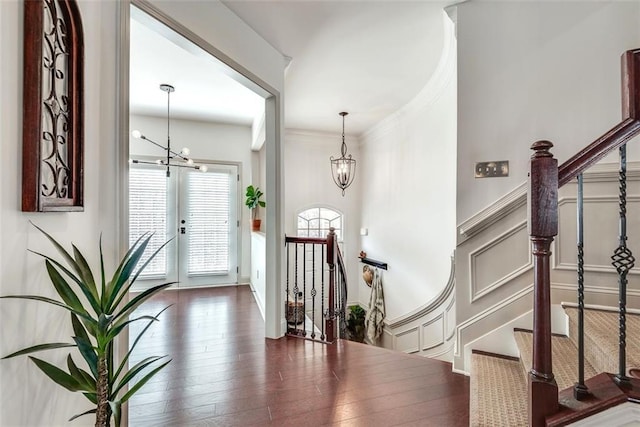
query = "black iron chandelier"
x=343 y=168
x=172 y=158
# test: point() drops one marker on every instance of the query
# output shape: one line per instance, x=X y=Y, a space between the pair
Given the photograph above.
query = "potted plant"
x=253 y=201
x=98 y=317
x=355 y=323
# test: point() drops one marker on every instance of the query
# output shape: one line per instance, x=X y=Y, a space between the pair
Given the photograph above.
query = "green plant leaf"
x=89 y=354
x=68 y=258
x=119 y=280
x=142 y=382
x=85 y=271
x=78 y=329
x=50 y=301
x=102 y=275
x=57 y=375
x=117 y=328
x=39 y=347
x=133 y=372
x=123 y=262
x=262 y=204
x=139 y=299
x=93 y=398
x=90 y=411
x=135 y=277
x=87 y=293
x=116 y=411
x=124 y=361
x=63 y=288
x=83 y=377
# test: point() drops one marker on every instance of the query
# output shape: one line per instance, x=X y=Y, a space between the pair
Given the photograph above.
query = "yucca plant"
x=98 y=318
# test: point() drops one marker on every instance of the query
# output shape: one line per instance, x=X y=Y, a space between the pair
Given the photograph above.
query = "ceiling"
x=365 y=57
x=202 y=90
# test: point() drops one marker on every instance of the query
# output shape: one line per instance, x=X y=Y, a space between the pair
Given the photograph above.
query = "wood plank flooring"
x=225 y=373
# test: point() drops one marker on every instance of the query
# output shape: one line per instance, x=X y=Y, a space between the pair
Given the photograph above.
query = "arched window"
x=315 y=222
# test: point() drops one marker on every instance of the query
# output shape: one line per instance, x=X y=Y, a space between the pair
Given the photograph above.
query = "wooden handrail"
x=294 y=239
x=545 y=178
x=593 y=153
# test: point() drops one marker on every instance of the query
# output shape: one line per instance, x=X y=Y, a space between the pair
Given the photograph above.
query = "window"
x=209 y=207
x=148 y=213
x=315 y=222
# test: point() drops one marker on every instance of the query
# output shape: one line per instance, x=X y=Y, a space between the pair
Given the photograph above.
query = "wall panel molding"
x=426 y=331
x=477 y=289
x=560 y=240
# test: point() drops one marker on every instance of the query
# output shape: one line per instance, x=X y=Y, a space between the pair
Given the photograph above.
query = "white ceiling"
x=365 y=57
x=202 y=90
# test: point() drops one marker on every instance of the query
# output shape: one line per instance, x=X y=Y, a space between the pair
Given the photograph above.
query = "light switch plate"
x=495 y=169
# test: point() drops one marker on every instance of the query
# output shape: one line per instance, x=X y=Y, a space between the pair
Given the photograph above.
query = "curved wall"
x=408 y=191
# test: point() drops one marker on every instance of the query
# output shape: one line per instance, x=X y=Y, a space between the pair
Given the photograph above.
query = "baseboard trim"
x=496 y=355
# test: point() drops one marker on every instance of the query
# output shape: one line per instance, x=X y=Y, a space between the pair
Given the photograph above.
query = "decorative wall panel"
x=408 y=341
x=433 y=333
x=499 y=261
x=52 y=157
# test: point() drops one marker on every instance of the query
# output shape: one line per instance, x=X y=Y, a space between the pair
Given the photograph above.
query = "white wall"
x=27 y=398
x=258 y=269
x=408 y=191
x=310 y=184
x=535 y=70
x=207 y=141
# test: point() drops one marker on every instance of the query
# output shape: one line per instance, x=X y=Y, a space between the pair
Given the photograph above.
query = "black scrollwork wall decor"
x=53 y=107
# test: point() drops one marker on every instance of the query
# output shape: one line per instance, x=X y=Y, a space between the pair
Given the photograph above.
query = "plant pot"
x=255 y=225
x=295 y=312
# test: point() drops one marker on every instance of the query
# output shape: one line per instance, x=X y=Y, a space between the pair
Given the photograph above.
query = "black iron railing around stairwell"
x=316 y=288
x=545 y=178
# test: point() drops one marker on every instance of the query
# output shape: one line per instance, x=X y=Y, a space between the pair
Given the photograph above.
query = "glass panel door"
x=208 y=226
x=198 y=212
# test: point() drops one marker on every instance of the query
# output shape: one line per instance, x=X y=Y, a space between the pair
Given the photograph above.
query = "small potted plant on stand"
x=355 y=323
x=253 y=201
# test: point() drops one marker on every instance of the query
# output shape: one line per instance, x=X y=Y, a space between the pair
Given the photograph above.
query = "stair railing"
x=316 y=288
x=545 y=178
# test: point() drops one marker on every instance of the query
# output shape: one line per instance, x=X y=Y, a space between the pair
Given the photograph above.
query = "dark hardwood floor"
x=224 y=372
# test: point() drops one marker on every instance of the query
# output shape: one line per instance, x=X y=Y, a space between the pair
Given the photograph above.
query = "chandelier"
x=343 y=168
x=171 y=158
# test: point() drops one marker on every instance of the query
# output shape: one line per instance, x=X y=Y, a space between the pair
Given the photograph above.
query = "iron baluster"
x=296 y=289
x=304 y=288
x=580 y=390
x=313 y=292
x=623 y=261
x=322 y=335
x=286 y=302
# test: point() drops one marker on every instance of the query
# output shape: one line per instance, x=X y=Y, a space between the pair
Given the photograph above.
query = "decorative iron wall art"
x=53 y=107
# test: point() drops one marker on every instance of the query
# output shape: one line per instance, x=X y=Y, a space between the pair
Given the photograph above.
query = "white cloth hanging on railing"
x=374 y=321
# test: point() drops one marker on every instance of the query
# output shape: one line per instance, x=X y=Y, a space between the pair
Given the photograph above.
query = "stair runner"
x=499 y=384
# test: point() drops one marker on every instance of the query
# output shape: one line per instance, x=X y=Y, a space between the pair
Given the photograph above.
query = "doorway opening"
x=214 y=115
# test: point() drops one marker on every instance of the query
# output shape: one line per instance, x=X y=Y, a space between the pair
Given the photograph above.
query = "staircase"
x=498 y=394
x=558 y=380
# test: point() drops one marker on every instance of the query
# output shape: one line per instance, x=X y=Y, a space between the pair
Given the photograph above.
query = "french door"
x=198 y=212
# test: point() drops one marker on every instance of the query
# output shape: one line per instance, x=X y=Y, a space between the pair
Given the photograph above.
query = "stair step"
x=498 y=391
x=601 y=338
x=564 y=354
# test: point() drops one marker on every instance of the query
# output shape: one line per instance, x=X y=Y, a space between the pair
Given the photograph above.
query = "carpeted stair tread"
x=564 y=356
x=498 y=392
x=601 y=338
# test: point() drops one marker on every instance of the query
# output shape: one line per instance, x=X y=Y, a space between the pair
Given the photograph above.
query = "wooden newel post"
x=331 y=260
x=543 y=226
